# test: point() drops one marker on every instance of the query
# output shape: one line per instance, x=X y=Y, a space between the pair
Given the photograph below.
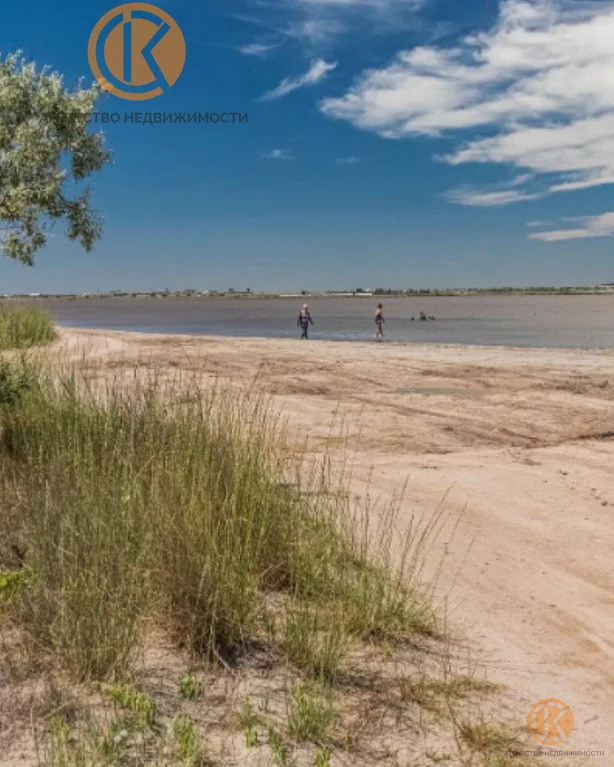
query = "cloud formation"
x=317 y=72
x=538 y=87
x=494 y=197
x=488 y=199
x=317 y=24
x=592 y=226
x=256 y=49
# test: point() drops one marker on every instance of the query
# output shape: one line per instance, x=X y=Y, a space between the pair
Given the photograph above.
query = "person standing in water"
x=304 y=320
x=379 y=321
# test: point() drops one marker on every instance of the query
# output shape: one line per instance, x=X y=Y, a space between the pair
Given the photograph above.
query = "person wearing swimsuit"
x=379 y=321
x=304 y=320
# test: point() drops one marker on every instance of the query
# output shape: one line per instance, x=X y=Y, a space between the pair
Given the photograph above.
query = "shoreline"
x=369 y=343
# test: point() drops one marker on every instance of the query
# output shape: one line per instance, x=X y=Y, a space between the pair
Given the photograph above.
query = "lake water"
x=538 y=321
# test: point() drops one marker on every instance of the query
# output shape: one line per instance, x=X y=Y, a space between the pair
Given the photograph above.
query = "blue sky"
x=402 y=143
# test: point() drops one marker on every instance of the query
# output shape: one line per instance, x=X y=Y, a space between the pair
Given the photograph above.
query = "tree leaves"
x=45 y=148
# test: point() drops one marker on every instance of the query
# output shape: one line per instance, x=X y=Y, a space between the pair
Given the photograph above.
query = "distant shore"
x=597 y=290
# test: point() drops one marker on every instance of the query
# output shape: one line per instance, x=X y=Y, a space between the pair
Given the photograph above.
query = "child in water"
x=379 y=321
x=304 y=320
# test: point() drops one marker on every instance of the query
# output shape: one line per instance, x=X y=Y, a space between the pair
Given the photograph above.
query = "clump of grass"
x=23 y=326
x=437 y=695
x=15 y=382
x=137 y=504
x=315 y=639
x=189 y=687
x=322 y=756
x=311 y=713
x=87 y=744
x=248 y=721
x=11 y=581
x=487 y=736
x=188 y=747
x=86 y=741
x=497 y=745
x=136 y=701
x=279 y=751
x=87 y=549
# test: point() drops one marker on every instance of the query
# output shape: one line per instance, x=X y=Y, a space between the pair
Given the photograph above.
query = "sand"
x=516 y=445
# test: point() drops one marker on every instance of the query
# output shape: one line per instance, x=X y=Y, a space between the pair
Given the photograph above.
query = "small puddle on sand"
x=441 y=391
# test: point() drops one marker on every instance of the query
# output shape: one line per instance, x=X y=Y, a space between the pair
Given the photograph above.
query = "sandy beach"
x=516 y=446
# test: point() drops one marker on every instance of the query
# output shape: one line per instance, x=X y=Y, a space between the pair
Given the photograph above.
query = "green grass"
x=128 y=697
x=189 y=687
x=136 y=505
x=312 y=713
x=22 y=327
x=189 y=751
x=87 y=742
x=11 y=581
x=248 y=720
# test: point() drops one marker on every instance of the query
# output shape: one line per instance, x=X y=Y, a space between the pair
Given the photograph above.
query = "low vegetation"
x=133 y=512
x=22 y=327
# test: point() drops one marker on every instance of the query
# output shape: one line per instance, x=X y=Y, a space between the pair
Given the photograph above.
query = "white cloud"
x=256 y=49
x=353 y=160
x=315 y=32
x=317 y=72
x=466 y=195
x=593 y=226
x=317 y=24
x=539 y=85
x=278 y=154
x=495 y=196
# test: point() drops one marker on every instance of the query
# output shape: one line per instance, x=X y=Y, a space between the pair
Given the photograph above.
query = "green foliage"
x=86 y=740
x=189 y=687
x=188 y=746
x=129 y=697
x=22 y=327
x=322 y=756
x=85 y=746
x=44 y=148
x=251 y=737
x=248 y=720
x=11 y=581
x=315 y=639
x=311 y=714
x=15 y=381
x=278 y=749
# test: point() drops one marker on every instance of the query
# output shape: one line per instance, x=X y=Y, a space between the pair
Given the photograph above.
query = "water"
x=537 y=321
